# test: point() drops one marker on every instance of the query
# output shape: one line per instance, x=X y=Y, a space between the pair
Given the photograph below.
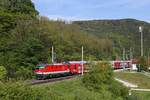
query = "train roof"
x=76 y=62
x=68 y=62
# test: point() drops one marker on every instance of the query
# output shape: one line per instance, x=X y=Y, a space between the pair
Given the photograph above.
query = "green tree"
x=99 y=76
x=143 y=63
x=18 y=6
x=100 y=79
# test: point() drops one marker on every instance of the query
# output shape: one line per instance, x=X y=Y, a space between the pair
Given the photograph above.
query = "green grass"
x=136 y=78
x=73 y=90
x=69 y=90
x=136 y=95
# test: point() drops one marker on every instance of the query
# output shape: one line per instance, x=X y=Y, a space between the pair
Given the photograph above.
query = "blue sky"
x=94 y=9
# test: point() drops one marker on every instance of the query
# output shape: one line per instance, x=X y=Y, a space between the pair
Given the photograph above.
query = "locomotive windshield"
x=40 y=67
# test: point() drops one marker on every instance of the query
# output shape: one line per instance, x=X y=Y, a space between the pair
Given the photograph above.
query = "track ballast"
x=35 y=82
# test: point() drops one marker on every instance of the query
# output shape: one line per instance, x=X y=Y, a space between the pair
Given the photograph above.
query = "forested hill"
x=124 y=32
x=101 y=27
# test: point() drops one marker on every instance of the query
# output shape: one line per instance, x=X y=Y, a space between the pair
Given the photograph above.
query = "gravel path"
x=148 y=90
x=146 y=74
x=127 y=84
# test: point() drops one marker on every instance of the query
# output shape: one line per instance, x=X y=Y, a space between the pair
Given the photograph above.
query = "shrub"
x=20 y=91
x=99 y=76
x=143 y=63
x=23 y=73
x=100 y=79
x=3 y=72
x=118 y=89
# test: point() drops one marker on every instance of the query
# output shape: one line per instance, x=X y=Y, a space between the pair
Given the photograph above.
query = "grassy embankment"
x=136 y=78
x=69 y=90
x=140 y=95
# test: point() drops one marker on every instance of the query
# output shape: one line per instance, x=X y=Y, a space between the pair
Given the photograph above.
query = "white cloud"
x=67 y=18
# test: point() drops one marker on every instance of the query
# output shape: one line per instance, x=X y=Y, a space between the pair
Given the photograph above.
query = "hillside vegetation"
x=123 y=33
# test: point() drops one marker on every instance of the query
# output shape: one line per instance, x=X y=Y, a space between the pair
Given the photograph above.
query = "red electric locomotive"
x=44 y=71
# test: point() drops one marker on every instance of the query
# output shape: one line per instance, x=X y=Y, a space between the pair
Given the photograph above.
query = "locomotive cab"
x=39 y=67
x=39 y=71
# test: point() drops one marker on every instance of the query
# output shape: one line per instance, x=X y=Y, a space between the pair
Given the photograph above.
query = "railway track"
x=35 y=82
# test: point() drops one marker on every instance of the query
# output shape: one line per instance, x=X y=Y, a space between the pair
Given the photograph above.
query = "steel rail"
x=35 y=82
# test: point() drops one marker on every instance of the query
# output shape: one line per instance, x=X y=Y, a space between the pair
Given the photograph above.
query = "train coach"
x=120 y=64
